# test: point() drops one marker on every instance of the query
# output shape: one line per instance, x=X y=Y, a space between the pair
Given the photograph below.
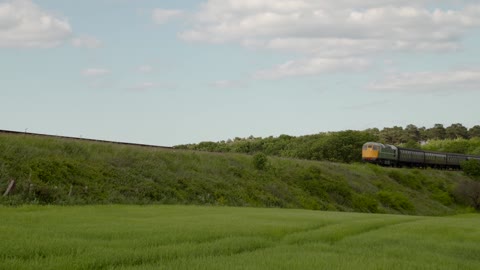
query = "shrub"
x=468 y=192
x=394 y=200
x=260 y=161
x=365 y=203
x=471 y=167
x=46 y=195
x=442 y=197
x=412 y=180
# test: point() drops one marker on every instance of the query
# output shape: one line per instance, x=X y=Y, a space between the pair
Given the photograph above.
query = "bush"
x=395 y=200
x=468 y=192
x=471 y=167
x=442 y=197
x=412 y=180
x=365 y=203
x=260 y=161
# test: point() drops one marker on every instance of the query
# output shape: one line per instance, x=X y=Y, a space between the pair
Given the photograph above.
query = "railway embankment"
x=49 y=170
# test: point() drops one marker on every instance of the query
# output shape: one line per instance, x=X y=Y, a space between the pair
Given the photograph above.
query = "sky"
x=176 y=72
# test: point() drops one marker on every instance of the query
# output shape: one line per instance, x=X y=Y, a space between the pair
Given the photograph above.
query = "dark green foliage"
x=260 y=161
x=365 y=203
x=395 y=201
x=412 y=145
x=394 y=135
x=456 y=131
x=410 y=180
x=442 y=197
x=474 y=132
x=412 y=133
x=462 y=146
x=468 y=192
x=437 y=132
x=471 y=168
x=345 y=146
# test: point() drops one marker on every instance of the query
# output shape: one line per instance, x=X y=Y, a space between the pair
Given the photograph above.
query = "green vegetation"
x=471 y=168
x=260 y=161
x=59 y=171
x=190 y=237
x=462 y=146
x=345 y=146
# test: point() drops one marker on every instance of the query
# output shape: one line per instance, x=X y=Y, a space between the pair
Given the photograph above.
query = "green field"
x=194 y=237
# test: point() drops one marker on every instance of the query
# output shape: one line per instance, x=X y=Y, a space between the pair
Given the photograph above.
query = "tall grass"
x=189 y=237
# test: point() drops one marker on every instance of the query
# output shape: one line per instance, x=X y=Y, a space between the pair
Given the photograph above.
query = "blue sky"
x=174 y=72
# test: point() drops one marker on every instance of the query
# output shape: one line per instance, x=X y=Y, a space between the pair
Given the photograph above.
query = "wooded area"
x=345 y=146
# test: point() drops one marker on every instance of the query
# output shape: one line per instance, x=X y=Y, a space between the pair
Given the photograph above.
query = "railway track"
x=82 y=139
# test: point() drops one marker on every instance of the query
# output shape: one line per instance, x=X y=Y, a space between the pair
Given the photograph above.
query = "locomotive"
x=389 y=155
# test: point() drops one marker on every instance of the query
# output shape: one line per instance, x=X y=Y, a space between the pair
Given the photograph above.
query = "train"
x=390 y=155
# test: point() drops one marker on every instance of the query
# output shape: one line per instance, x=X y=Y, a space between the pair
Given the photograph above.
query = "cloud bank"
x=333 y=35
x=24 y=24
x=446 y=81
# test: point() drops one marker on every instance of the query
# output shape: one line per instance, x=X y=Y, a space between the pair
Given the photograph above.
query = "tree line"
x=341 y=146
x=398 y=135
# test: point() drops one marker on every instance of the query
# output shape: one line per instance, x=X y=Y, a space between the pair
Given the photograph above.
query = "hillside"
x=62 y=171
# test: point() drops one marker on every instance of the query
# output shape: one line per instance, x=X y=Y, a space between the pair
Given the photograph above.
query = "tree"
x=394 y=135
x=343 y=146
x=456 y=131
x=437 y=132
x=423 y=133
x=412 y=133
x=373 y=131
x=474 y=131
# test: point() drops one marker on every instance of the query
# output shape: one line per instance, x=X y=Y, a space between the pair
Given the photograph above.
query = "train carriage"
x=390 y=155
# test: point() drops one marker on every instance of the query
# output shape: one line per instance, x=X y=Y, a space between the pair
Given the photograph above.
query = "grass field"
x=194 y=237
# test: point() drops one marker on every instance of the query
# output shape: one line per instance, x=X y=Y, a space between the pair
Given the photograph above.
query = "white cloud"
x=453 y=81
x=312 y=66
x=339 y=30
x=161 y=16
x=299 y=21
x=86 y=42
x=95 y=72
x=24 y=24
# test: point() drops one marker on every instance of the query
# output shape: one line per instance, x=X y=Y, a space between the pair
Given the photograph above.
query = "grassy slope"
x=46 y=169
x=190 y=237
